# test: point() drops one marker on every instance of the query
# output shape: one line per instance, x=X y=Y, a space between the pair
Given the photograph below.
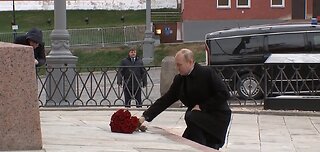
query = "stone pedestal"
x=19 y=109
x=168 y=72
x=61 y=80
x=148 y=49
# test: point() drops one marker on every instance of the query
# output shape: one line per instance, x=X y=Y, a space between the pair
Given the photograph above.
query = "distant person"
x=34 y=38
x=204 y=94
x=132 y=76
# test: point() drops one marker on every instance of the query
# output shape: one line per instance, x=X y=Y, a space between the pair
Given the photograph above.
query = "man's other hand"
x=196 y=107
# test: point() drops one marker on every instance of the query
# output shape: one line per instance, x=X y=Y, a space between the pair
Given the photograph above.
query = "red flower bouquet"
x=123 y=122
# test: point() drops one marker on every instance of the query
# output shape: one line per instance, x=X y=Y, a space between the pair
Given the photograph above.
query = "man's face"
x=182 y=65
x=133 y=53
x=33 y=44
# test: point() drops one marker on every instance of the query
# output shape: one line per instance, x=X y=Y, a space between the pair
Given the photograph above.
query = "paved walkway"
x=250 y=130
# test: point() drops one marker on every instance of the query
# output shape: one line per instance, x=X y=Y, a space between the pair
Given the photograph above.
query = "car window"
x=223 y=46
x=252 y=45
x=285 y=43
x=315 y=41
x=229 y=45
x=237 y=45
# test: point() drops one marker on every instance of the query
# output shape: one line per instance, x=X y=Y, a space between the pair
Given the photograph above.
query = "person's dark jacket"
x=205 y=88
x=133 y=73
x=35 y=35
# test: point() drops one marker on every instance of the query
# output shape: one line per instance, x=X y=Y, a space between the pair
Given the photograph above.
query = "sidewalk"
x=89 y=131
x=250 y=130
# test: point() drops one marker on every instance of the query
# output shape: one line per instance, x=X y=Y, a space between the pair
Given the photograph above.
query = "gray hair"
x=187 y=54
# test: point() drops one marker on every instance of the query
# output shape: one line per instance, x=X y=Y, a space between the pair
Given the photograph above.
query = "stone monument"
x=19 y=108
x=168 y=72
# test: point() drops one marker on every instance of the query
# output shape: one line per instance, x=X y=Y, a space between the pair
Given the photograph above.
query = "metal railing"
x=165 y=17
x=90 y=86
x=251 y=84
x=248 y=84
x=101 y=37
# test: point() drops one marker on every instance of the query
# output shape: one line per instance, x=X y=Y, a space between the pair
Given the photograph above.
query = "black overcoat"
x=39 y=52
x=132 y=73
x=205 y=88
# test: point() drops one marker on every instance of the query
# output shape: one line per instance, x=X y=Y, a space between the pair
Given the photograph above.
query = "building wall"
x=202 y=16
x=260 y=9
x=309 y=8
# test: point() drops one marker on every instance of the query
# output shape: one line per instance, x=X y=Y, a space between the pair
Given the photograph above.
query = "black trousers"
x=196 y=134
x=132 y=94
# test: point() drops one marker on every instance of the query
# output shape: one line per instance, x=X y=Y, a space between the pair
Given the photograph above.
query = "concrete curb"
x=100 y=109
x=258 y=110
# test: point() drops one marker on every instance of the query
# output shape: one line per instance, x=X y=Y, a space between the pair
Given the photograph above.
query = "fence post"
x=102 y=36
x=124 y=35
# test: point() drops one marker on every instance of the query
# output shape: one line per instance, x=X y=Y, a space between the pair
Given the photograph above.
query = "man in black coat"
x=204 y=94
x=132 y=76
x=34 y=38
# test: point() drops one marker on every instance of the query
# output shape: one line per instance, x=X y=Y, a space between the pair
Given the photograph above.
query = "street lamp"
x=13 y=23
x=49 y=21
x=122 y=19
x=86 y=20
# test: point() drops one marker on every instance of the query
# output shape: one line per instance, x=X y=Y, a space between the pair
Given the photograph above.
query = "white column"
x=148 y=44
x=61 y=59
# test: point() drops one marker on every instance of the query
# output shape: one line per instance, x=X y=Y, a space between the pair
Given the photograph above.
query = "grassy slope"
x=75 y=19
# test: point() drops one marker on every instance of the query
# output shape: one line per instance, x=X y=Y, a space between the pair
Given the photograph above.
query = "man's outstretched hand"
x=141 y=127
x=141 y=119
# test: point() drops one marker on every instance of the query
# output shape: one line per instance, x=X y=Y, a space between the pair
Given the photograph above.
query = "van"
x=253 y=45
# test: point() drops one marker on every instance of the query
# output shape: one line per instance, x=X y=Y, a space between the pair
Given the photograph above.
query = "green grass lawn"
x=75 y=19
x=113 y=56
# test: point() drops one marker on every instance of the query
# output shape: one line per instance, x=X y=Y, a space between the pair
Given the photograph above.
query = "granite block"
x=168 y=72
x=19 y=110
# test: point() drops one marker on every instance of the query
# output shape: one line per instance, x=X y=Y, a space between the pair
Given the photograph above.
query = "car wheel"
x=248 y=87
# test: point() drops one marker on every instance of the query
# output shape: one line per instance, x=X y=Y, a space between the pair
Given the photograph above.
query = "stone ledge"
x=42 y=150
x=235 y=109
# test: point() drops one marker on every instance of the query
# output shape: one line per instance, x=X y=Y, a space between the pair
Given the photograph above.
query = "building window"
x=277 y=3
x=223 y=4
x=243 y=3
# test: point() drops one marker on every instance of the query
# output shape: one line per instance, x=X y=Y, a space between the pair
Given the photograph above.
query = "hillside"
x=75 y=19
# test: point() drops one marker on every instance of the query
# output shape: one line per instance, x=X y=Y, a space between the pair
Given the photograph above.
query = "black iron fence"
x=91 y=86
x=248 y=84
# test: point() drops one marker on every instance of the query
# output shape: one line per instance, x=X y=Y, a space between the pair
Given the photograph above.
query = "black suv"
x=253 y=45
